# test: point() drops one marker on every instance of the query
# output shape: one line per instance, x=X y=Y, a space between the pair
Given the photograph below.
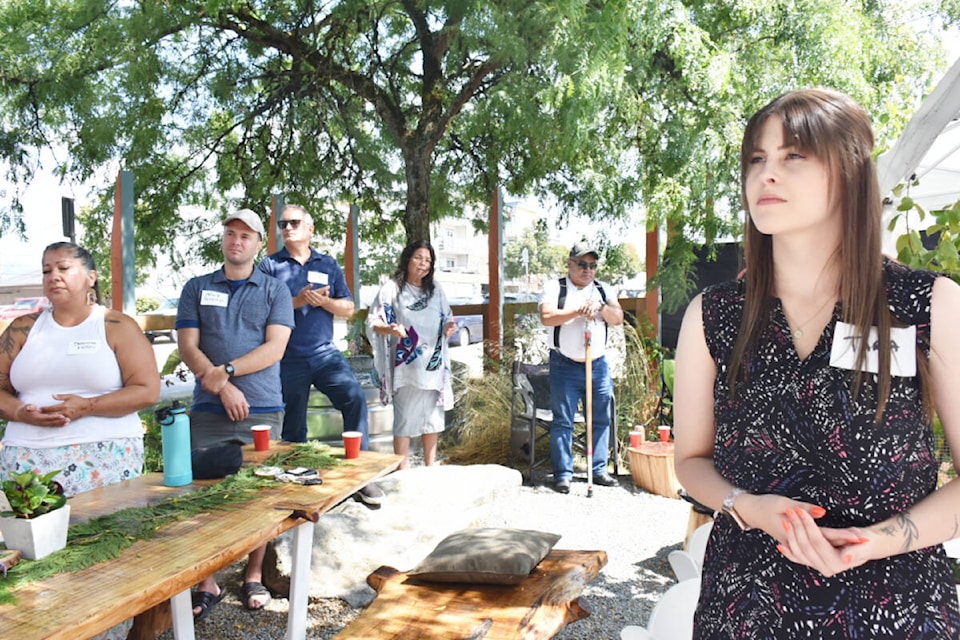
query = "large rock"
x=421 y=507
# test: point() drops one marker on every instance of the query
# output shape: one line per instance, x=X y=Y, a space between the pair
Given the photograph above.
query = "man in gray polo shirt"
x=232 y=328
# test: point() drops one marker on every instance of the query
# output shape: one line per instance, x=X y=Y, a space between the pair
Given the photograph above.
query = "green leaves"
x=419 y=110
x=31 y=495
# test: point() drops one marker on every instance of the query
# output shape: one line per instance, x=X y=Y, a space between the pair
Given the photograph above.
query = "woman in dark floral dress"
x=816 y=444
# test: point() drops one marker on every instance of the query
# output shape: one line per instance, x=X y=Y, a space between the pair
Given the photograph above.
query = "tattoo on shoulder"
x=15 y=335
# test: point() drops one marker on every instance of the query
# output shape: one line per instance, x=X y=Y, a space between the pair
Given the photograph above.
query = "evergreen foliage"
x=104 y=538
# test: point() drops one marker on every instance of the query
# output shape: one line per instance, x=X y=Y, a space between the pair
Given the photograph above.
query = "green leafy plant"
x=943 y=257
x=31 y=494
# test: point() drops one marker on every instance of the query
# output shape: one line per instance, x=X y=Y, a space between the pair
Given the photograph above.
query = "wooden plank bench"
x=538 y=608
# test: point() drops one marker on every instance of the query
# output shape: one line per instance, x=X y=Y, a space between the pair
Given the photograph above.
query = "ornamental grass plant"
x=480 y=429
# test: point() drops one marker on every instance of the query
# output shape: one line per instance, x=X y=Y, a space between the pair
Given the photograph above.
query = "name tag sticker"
x=317 y=277
x=83 y=347
x=903 y=350
x=213 y=298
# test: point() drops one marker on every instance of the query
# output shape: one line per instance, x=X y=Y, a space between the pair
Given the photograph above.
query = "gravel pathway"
x=636 y=529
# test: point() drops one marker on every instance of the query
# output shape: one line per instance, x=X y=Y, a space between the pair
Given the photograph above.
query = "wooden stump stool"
x=651 y=465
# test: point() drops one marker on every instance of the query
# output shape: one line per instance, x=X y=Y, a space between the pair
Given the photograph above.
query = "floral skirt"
x=82 y=466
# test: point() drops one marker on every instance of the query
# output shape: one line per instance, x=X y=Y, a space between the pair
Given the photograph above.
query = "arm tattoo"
x=910 y=531
x=5 y=384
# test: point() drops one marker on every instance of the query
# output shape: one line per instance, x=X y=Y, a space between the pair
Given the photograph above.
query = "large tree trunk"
x=416 y=216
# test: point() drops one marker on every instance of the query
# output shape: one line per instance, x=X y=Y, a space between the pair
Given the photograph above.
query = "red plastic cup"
x=664 y=434
x=351 y=444
x=636 y=438
x=261 y=437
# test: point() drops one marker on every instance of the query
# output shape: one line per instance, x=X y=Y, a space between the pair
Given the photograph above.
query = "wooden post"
x=276 y=210
x=351 y=254
x=123 y=295
x=493 y=319
x=651 y=297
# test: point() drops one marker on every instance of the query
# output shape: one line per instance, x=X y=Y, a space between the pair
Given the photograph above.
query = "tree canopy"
x=416 y=109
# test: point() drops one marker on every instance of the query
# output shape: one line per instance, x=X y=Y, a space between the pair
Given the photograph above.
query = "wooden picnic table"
x=76 y=605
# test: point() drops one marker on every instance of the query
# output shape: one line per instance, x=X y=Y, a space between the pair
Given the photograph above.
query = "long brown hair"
x=400 y=275
x=834 y=128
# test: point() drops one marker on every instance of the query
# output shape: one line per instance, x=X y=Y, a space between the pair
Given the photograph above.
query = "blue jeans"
x=330 y=373
x=567 y=389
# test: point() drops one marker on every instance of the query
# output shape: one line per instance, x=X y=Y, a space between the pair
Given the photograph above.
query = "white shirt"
x=572 y=338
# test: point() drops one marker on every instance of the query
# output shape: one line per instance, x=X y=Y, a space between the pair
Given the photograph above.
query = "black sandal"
x=205 y=601
x=251 y=589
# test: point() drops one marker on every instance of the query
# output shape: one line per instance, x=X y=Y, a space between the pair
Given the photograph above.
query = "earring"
x=91 y=297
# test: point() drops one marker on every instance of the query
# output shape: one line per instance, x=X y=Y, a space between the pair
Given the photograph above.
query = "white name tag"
x=213 y=298
x=83 y=347
x=317 y=277
x=903 y=350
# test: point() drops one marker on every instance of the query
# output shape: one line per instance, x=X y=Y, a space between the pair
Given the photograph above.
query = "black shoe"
x=562 y=486
x=604 y=480
x=371 y=495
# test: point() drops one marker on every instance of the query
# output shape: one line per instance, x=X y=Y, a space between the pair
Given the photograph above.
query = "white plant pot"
x=37 y=537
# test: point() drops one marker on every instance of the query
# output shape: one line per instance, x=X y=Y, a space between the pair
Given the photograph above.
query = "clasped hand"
x=314 y=297
x=70 y=408
x=589 y=309
x=801 y=540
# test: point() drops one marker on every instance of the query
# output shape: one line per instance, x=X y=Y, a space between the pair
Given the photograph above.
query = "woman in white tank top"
x=72 y=378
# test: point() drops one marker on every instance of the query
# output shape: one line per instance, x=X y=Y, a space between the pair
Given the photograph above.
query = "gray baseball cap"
x=249 y=218
x=583 y=248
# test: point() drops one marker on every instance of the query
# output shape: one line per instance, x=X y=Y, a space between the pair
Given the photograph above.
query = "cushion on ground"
x=422 y=506
x=486 y=556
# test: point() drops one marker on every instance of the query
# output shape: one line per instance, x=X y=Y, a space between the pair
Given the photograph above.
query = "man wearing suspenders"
x=568 y=304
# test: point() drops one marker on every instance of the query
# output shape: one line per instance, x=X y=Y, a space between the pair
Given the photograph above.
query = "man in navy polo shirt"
x=320 y=293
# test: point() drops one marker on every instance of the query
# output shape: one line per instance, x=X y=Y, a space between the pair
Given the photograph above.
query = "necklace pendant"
x=798 y=334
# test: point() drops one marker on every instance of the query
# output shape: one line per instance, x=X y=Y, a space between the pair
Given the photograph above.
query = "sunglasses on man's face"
x=592 y=266
x=293 y=224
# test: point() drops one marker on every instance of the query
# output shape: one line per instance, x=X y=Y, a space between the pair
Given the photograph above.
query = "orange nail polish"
x=791 y=513
x=782 y=549
x=847 y=559
x=786 y=525
x=862 y=540
x=818 y=512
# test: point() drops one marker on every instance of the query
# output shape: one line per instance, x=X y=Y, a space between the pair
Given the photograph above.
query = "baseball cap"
x=581 y=249
x=249 y=218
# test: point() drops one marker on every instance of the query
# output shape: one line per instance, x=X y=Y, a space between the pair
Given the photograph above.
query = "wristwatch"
x=229 y=369
x=731 y=512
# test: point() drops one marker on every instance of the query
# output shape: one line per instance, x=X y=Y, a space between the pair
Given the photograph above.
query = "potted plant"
x=39 y=515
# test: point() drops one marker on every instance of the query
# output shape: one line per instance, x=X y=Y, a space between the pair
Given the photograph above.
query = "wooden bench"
x=538 y=608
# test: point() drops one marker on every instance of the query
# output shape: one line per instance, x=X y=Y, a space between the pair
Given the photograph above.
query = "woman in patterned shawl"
x=816 y=444
x=408 y=325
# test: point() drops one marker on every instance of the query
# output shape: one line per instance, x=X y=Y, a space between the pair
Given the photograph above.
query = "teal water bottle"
x=175 y=434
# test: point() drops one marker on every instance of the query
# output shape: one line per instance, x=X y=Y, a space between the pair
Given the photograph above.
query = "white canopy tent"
x=928 y=150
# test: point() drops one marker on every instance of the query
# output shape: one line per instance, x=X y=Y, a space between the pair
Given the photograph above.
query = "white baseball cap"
x=249 y=218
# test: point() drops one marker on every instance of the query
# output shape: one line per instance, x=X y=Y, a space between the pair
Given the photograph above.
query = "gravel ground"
x=636 y=529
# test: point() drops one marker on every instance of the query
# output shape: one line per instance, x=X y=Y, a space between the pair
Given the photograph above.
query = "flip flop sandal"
x=251 y=589
x=206 y=601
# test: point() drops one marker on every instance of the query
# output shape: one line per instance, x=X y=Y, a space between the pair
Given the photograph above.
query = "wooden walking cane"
x=588 y=371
